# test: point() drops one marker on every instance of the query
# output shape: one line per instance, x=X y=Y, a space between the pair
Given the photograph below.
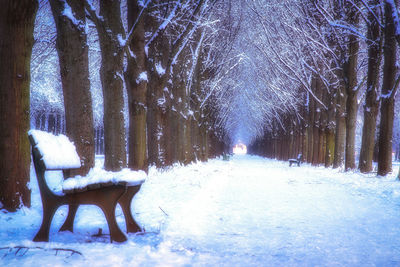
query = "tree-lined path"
x=170 y=87
x=156 y=83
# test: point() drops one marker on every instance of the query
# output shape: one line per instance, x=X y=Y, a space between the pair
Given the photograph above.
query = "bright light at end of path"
x=240 y=149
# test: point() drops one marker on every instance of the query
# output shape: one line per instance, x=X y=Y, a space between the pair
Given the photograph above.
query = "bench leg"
x=125 y=202
x=115 y=233
x=43 y=233
x=69 y=222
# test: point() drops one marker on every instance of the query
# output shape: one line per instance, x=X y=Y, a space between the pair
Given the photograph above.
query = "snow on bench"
x=59 y=153
x=98 y=177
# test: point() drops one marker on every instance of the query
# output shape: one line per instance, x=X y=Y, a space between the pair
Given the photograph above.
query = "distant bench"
x=296 y=161
x=50 y=152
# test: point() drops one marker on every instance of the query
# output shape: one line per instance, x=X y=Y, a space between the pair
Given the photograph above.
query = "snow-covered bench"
x=296 y=161
x=101 y=188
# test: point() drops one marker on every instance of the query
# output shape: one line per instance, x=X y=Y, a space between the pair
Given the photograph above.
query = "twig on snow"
x=26 y=249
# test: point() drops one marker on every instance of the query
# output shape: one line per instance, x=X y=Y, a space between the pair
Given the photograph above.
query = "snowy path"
x=245 y=212
x=252 y=211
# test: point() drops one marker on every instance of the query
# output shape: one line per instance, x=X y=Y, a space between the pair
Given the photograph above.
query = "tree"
x=340 y=90
x=16 y=40
x=112 y=43
x=389 y=88
x=350 y=78
x=72 y=49
x=371 y=106
x=136 y=79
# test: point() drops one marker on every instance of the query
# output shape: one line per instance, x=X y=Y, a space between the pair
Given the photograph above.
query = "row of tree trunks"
x=16 y=40
x=50 y=122
x=99 y=140
x=331 y=139
x=55 y=123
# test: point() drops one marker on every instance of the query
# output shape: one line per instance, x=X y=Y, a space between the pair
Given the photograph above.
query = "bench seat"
x=98 y=178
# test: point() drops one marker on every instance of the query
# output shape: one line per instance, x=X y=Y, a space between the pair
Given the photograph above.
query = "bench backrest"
x=56 y=151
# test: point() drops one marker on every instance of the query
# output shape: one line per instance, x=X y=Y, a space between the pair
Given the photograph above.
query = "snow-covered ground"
x=248 y=211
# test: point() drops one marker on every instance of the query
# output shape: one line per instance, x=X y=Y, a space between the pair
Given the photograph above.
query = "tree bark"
x=157 y=118
x=16 y=41
x=371 y=105
x=179 y=107
x=304 y=130
x=340 y=136
x=339 y=91
x=316 y=121
x=111 y=32
x=350 y=77
x=73 y=54
x=136 y=79
x=310 y=127
x=329 y=128
x=158 y=99
x=196 y=103
x=387 y=96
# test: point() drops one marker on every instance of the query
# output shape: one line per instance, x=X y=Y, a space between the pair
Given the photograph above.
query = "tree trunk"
x=158 y=98
x=156 y=122
x=350 y=72
x=351 y=122
x=340 y=94
x=310 y=128
x=16 y=40
x=329 y=128
x=111 y=71
x=322 y=146
x=195 y=100
x=316 y=120
x=188 y=140
x=182 y=116
x=203 y=143
x=136 y=79
x=340 y=136
x=304 y=129
x=387 y=96
x=330 y=147
x=72 y=52
x=371 y=101
x=179 y=118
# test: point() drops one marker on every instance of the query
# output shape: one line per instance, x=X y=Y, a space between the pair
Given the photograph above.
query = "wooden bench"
x=296 y=161
x=51 y=152
x=226 y=156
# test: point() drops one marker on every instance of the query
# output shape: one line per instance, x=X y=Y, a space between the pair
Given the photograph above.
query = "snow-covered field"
x=247 y=211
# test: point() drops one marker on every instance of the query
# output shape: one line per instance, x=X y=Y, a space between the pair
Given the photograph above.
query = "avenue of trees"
x=182 y=80
x=338 y=56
